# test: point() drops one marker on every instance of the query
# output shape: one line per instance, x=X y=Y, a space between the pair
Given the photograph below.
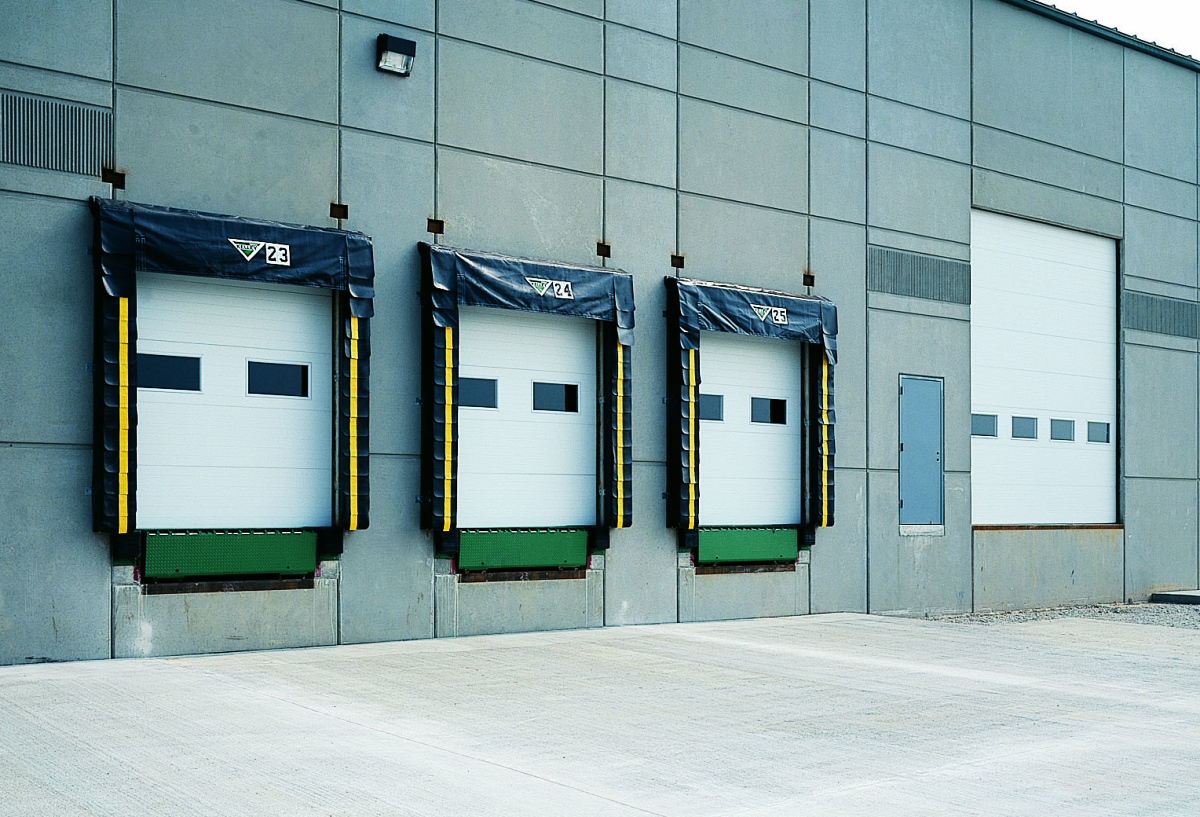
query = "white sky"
x=1170 y=23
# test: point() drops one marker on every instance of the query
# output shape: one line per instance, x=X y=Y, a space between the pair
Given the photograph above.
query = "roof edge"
x=1106 y=33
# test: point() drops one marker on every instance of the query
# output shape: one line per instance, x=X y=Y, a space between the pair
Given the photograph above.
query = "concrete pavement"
x=820 y=715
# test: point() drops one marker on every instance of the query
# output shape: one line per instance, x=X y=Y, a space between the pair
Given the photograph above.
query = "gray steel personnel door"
x=920 y=451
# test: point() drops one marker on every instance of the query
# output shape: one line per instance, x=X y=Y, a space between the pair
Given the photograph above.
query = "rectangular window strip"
x=1062 y=430
x=1024 y=428
x=171 y=372
x=985 y=425
x=477 y=392
x=711 y=407
x=556 y=397
x=277 y=379
x=768 y=410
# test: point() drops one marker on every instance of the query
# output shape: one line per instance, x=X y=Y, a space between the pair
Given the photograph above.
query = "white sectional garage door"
x=1043 y=351
x=750 y=458
x=252 y=446
x=529 y=461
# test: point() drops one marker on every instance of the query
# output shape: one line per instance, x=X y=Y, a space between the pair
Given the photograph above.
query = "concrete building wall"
x=753 y=138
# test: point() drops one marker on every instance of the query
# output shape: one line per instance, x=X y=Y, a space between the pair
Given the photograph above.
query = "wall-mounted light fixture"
x=394 y=55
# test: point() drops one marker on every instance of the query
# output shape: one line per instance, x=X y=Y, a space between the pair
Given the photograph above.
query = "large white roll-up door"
x=1043 y=373
x=520 y=465
x=252 y=446
x=750 y=458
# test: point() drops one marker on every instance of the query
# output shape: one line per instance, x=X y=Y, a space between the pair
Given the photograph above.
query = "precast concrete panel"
x=518 y=208
x=908 y=342
x=750 y=465
x=1043 y=346
x=639 y=133
x=839 y=262
x=712 y=236
x=924 y=573
x=1021 y=568
x=392 y=208
x=768 y=32
x=377 y=101
x=738 y=155
x=918 y=194
x=177 y=153
x=641 y=564
x=1153 y=192
x=905 y=126
x=1050 y=164
x=937 y=30
x=52 y=184
x=837 y=109
x=838 y=177
x=520 y=607
x=726 y=596
x=55 y=601
x=838 y=42
x=639 y=56
x=739 y=84
x=592 y=8
x=838 y=560
x=640 y=224
x=1042 y=202
x=73 y=38
x=509 y=92
x=162 y=624
x=228 y=455
x=1160 y=247
x=417 y=14
x=521 y=463
x=658 y=16
x=386 y=572
x=1158 y=433
x=532 y=29
x=1160 y=536
x=286 y=53
x=1160 y=116
x=43 y=246
x=936 y=247
x=66 y=87
x=1042 y=79
x=1134 y=284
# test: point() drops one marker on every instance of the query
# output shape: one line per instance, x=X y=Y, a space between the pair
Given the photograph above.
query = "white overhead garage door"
x=1043 y=374
x=527 y=419
x=751 y=442
x=235 y=404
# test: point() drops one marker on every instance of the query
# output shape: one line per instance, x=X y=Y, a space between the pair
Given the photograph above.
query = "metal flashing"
x=1106 y=33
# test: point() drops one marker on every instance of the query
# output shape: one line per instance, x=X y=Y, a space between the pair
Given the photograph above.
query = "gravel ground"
x=1165 y=615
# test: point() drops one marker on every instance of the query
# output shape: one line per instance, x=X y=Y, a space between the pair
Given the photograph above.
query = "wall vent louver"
x=51 y=135
x=1165 y=316
x=918 y=276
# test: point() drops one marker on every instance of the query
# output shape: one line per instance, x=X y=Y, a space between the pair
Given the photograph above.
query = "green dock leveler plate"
x=748 y=545
x=179 y=554
x=496 y=549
